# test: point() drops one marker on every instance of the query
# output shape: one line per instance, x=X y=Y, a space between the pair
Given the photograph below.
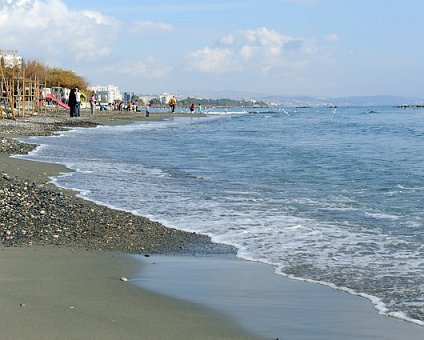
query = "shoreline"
x=59 y=250
x=112 y=230
x=269 y=304
x=67 y=219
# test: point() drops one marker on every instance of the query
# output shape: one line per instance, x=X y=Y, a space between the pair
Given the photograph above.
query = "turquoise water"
x=327 y=195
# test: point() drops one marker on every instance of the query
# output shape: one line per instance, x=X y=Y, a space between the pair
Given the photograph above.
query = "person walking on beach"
x=78 y=102
x=148 y=110
x=72 y=102
x=192 y=107
x=92 y=103
x=172 y=103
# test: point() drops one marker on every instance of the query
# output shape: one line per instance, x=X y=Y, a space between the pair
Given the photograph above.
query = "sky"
x=325 y=48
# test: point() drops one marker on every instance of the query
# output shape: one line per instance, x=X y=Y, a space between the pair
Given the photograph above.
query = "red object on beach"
x=50 y=96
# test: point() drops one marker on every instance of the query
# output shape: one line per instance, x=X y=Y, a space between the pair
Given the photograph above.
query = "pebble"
x=41 y=214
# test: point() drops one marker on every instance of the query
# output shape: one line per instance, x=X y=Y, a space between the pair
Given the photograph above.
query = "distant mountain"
x=342 y=101
x=310 y=100
x=235 y=95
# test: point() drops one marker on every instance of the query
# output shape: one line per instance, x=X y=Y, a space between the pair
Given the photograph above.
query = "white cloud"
x=247 y=52
x=48 y=29
x=227 y=40
x=98 y=18
x=332 y=37
x=149 y=68
x=143 y=26
x=264 y=37
x=212 y=60
x=15 y=3
x=259 y=50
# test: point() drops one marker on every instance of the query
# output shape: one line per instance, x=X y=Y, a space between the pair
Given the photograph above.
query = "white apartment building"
x=165 y=97
x=10 y=58
x=147 y=99
x=106 y=94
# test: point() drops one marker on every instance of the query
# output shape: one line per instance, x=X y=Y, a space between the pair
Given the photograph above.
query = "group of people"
x=74 y=103
x=172 y=102
x=193 y=108
x=121 y=106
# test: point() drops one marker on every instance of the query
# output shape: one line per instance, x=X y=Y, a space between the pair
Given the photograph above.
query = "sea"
x=333 y=196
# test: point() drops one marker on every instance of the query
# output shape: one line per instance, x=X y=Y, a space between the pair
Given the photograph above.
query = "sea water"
x=328 y=195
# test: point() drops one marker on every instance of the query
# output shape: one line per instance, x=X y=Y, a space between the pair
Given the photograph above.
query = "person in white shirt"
x=78 y=104
x=93 y=103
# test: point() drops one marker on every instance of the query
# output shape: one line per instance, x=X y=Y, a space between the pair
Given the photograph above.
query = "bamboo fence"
x=20 y=95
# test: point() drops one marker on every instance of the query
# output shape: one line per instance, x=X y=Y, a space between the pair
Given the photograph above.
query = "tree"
x=223 y=102
x=65 y=78
x=54 y=76
x=155 y=101
x=34 y=69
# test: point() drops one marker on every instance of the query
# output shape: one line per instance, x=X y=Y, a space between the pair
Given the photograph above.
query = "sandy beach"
x=269 y=304
x=62 y=260
x=64 y=293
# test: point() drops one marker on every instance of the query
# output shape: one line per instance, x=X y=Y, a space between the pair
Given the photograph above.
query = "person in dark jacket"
x=72 y=103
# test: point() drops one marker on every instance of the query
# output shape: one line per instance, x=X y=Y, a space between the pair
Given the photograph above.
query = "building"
x=165 y=97
x=147 y=98
x=128 y=96
x=106 y=94
x=10 y=58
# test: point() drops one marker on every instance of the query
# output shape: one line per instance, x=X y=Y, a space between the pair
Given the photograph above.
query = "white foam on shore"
x=379 y=305
x=230 y=239
x=225 y=112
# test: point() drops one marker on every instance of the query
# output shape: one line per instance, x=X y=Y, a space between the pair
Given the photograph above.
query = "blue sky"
x=326 y=48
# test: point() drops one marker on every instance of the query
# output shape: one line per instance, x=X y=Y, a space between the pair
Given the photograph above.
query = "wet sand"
x=269 y=304
x=64 y=293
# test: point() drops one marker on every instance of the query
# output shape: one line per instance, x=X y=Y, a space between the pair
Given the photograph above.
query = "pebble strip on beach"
x=33 y=213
